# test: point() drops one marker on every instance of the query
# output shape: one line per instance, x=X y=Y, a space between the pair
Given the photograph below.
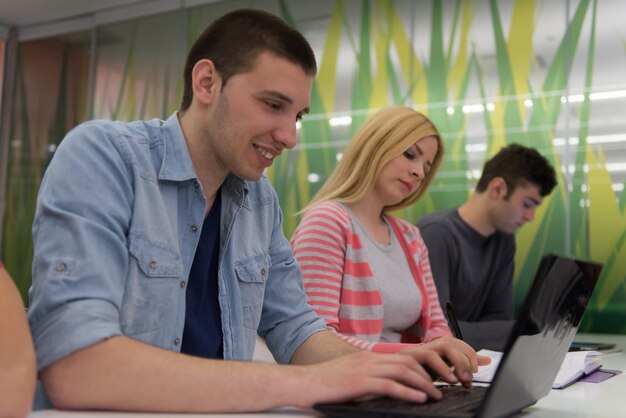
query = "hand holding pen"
x=454 y=325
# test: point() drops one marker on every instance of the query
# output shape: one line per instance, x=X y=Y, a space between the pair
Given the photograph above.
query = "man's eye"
x=273 y=105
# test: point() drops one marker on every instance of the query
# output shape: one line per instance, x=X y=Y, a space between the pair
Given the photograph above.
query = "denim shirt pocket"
x=155 y=259
x=150 y=298
x=252 y=273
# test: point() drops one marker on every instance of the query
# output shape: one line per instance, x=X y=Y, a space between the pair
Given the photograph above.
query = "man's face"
x=507 y=215
x=255 y=115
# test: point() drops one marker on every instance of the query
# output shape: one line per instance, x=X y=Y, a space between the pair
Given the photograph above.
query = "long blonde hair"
x=383 y=137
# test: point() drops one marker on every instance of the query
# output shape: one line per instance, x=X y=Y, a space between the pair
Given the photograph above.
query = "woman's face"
x=403 y=175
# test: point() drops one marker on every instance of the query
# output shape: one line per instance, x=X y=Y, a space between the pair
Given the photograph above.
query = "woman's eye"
x=409 y=154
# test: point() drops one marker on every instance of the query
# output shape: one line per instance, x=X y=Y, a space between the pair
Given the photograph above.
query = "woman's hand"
x=449 y=358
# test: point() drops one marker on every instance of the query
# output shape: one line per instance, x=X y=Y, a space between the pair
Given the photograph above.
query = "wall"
x=542 y=73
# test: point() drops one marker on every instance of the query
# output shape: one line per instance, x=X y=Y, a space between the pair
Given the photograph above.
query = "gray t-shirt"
x=402 y=300
x=475 y=274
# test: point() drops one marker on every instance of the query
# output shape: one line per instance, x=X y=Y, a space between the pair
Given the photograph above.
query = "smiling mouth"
x=264 y=153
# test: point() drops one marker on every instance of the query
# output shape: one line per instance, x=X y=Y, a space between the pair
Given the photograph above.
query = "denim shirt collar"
x=235 y=185
x=177 y=164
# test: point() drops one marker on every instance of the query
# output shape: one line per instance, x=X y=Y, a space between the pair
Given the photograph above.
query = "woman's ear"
x=205 y=81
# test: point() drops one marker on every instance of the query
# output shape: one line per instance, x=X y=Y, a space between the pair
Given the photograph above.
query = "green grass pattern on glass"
x=136 y=80
x=445 y=75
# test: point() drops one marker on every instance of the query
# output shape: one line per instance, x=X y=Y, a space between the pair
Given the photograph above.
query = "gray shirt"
x=475 y=274
x=402 y=299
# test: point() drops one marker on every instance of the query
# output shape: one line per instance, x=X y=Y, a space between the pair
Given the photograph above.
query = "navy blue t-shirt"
x=203 y=336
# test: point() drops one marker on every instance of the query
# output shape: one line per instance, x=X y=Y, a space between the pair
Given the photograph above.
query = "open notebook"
x=575 y=365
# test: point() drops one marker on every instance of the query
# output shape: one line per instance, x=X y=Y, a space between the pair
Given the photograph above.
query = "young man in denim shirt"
x=159 y=252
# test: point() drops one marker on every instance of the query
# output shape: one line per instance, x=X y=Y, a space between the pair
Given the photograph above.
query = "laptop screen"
x=543 y=333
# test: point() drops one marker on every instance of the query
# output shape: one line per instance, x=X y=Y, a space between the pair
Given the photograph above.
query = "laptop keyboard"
x=455 y=399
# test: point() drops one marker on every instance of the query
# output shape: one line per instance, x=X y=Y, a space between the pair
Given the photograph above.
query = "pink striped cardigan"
x=328 y=249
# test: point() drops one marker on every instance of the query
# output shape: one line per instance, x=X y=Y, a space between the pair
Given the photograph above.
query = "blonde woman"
x=17 y=356
x=366 y=273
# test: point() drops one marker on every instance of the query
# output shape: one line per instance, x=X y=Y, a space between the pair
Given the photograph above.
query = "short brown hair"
x=234 y=41
x=516 y=164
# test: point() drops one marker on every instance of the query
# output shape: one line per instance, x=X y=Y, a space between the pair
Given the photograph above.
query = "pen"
x=456 y=331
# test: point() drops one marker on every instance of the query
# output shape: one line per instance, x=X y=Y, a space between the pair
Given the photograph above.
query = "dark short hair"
x=517 y=164
x=234 y=41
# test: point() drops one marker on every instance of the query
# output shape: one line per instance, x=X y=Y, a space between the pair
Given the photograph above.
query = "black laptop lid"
x=538 y=343
x=542 y=334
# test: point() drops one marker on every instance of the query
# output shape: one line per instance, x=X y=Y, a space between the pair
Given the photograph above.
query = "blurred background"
x=544 y=73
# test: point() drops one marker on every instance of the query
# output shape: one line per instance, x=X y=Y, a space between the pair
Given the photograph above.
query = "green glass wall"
x=542 y=73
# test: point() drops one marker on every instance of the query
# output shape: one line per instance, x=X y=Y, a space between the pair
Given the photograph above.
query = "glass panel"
x=50 y=99
x=545 y=74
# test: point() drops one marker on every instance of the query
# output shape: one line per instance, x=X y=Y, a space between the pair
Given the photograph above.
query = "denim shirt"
x=118 y=218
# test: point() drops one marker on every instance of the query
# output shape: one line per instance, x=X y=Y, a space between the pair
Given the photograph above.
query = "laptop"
x=535 y=349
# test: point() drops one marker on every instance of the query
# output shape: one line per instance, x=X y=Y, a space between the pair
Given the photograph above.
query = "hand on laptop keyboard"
x=357 y=375
x=449 y=358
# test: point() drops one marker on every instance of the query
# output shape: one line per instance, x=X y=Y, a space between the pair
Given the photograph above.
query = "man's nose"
x=285 y=133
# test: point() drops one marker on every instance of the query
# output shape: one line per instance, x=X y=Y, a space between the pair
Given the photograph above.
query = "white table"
x=592 y=400
x=606 y=399
x=279 y=413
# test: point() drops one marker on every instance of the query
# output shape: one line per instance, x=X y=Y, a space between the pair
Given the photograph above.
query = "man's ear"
x=497 y=188
x=205 y=81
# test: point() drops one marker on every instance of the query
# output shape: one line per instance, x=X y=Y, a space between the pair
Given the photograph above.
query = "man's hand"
x=449 y=358
x=172 y=382
x=363 y=373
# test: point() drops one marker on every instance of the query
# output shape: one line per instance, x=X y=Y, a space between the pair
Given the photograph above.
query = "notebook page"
x=575 y=365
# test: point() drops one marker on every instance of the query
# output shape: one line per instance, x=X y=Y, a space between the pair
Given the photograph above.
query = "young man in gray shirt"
x=472 y=247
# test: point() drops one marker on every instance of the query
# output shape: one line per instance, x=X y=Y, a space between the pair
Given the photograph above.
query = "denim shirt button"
x=196 y=184
x=153 y=264
x=177 y=341
x=263 y=271
x=182 y=284
x=194 y=228
x=62 y=267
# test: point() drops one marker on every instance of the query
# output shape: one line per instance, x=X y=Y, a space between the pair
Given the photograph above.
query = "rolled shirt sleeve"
x=80 y=262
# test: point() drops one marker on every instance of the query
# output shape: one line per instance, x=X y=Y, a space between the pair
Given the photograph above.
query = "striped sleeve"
x=319 y=245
